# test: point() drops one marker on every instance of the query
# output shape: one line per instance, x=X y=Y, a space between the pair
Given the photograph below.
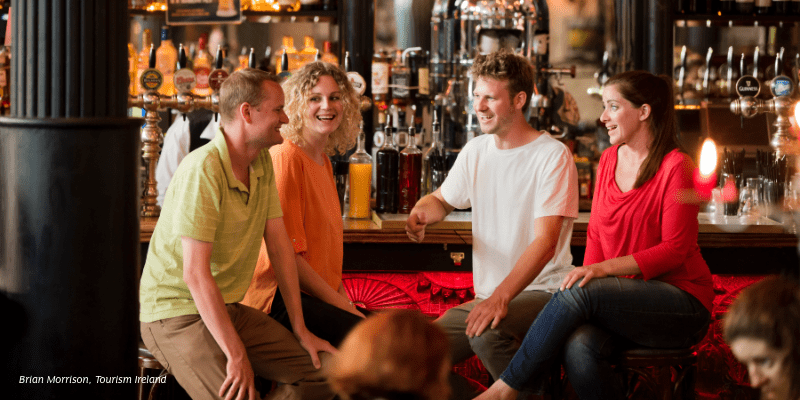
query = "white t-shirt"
x=175 y=148
x=508 y=190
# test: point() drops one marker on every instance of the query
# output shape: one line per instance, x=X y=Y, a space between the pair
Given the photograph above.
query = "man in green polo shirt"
x=222 y=200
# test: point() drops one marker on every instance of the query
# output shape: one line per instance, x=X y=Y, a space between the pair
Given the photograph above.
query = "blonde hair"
x=244 y=86
x=397 y=353
x=297 y=88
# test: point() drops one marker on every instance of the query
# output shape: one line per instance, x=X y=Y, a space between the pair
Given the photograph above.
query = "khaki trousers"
x=185 y=347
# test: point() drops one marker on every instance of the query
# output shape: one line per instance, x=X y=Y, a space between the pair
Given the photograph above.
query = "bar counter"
x=381 y=244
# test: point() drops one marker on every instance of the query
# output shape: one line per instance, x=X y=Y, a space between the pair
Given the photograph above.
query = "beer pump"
x=781 y=104
x=184 y=101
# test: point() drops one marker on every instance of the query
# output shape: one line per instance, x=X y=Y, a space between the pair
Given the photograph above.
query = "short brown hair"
x=243 y=86
x=297 y=89
x=395 y=353
x=504 y=65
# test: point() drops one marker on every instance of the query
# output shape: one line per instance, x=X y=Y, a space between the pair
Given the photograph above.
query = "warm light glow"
x=797 y=113
x=708 y=157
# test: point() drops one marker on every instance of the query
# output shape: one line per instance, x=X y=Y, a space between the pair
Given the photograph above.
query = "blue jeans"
x=589 y=323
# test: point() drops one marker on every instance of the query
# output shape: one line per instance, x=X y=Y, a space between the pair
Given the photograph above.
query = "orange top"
x=312 y=217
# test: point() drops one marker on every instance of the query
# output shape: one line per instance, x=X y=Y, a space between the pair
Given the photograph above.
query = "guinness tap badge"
x=748 y=85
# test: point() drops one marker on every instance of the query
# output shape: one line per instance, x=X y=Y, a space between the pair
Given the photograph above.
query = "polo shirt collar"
x=256 y=168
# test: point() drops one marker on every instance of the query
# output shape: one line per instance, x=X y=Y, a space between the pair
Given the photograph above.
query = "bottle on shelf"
x=386 y=160
x=381 y=76
x=781 y=7
x=401 y=127
x=311 y=5
x=727 y=6
x=244 y=57
x=763 y=7
x=143 y=58
x=307 y=54
x=745 y=6
x=202 y=67
x=246 y=4
x=360 y=176
x=328 y=54
x=433 y=160
x=287 y=5
x=166 y=58
x=401 y=80
x=291 y=55
x=410 y=174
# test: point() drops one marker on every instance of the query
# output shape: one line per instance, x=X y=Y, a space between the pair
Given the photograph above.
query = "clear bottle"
x=291 y=54
x=360 y=176
x=410 y=172
x=166 y=58
x=381 y=76
x=327 y=53
x=202 y=67
x=307 y=54
x=143 y=58
x=401 y=80
x=436 y=157
x=287 y=5
x=386 y=160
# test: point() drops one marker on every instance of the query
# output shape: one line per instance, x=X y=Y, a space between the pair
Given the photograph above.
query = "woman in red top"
x=643 y=282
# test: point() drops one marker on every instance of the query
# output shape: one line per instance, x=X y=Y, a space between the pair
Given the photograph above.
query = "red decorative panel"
x=719 y=375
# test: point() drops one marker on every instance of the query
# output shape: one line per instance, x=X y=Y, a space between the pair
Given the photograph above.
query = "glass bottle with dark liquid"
x=438 y=164
x=410 y=170
x=386 y=160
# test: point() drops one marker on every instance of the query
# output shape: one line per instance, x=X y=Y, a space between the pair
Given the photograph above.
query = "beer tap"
x=358 y=83
x=756 y=55
x=184 y=101
x=251 y=59
x=707 y=74
x=781 y=104
x=729 y=80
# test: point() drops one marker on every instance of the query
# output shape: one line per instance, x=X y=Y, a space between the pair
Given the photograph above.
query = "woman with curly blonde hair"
x=324 y=116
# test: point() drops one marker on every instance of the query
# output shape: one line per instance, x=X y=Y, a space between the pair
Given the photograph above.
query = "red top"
x=652 y=223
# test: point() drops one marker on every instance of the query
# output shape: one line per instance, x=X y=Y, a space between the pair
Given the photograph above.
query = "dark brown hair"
x=243 y=86
x=769 y=310
x=504 y=65
x=642 y=87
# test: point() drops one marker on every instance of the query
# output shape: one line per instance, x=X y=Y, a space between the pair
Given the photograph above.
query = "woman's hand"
x=586 y=272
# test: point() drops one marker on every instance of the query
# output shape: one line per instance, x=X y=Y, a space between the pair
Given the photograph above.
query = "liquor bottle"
x=763 y=7
x=327 y=53
x=360 y=176
x=386 y=159
x=287 y=5
x=166 y=58
x=418 y=90
x=781 y=7
x=401 y=127
x=263 y=5
x=436 y=158
x=243 y=58
x=410 y=171
x=143 y=58
x=745 y=6
x=311 y=5
x=246 y=4
x=726 y=6
x=381 y=75
x=291 y=55
x=132 y=87
x=401 y=80
x=202 y=67
x=308 y=53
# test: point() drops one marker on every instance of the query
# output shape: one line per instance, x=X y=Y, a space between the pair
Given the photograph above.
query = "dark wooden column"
x=69 y=159
x=643 y=35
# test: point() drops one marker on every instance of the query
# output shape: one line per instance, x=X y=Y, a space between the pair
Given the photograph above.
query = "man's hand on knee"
x=487 y=313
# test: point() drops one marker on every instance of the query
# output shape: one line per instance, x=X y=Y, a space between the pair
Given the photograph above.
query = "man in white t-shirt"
x=523 y=189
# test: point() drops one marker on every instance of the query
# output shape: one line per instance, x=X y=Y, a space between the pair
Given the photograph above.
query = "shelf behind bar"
x=735 y=20
x=266 y=16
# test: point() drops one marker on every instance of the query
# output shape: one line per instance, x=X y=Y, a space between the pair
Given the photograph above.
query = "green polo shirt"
x=204 y=201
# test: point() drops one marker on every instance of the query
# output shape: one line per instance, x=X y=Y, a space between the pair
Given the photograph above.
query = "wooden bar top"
x=715 y=231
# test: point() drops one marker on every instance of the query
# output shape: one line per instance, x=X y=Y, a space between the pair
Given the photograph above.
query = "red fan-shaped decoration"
x=374 y=294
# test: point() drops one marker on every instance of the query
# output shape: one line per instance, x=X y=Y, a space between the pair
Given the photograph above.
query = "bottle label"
x=400 y=85
x=380 y=78
x=424 y=81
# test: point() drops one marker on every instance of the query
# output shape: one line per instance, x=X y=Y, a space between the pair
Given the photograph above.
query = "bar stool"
x=147 y=361
x=667 y=373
